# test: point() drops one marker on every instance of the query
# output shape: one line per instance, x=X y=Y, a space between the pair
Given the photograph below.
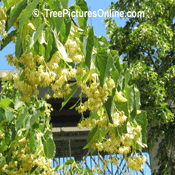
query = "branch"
x=73 y=21
x=55 y=161
x=85 y=159
x=151 y=58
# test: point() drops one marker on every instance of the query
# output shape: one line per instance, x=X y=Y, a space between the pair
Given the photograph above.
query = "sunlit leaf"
x=36 y=35
x=27 y=12
x=9 y=115
x=15 y=14
x=21 y=118
x=67 y=98
x=49 y=148
x=5 y=102
x=89 y=47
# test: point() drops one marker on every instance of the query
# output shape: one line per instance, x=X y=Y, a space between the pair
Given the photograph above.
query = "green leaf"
x=15 y=13
x=61 y=49
x=2 y=159
x=21 y=118
x=8 y=39
x=22 y=76
x=104 y=63
x=42 y=50
x=36 y=47
x=109 y=104
x=129 y=94
x=81 y=20
x=93 y=138
x=103 y=42
x=67 y=98
x=102 y=134
x=49 y=148
x=35 y=117
x=18 y=103
x=57 y=167
x=27 y=122
x=86 y=77
x=9 y=155
x=117 y=62
x=137 y=98
x=18 y=47
x=101 y=62
x=36 y=35
x=127 y=77
x=13 y=132
x=32 y=142
x=65 y=29
x=9 y=114
x=33 y=169
x=57 y=6
x=121 y=129
x=37 y=22
x=49 y=39
x=89 y=47
x=83 y=6
x=141 y=119
x=136 y=102
x=91 y=134
x=119 y=97
x=115 y=76
x=64 y=3
x=70 y=161
x=5 y=102
x=83 y=43
x=27 y=12
x=109 y=67
x=74 y=104
x=23 y=38
x=8 y=3
x=2 y=114
x=88 y=171
x=48 y=135
x=123 y=106
x=96 y=42
x=53 y=47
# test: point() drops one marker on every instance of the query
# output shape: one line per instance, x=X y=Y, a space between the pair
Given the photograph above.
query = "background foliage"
x=48 y=53
x=148 y=44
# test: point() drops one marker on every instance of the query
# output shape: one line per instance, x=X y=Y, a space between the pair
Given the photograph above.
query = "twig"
x=74 y=21
x=152 y=61
x=85 y=159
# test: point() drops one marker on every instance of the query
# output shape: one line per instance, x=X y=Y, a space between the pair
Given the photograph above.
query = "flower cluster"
x=114 y=160
x=136 y=162
x=23 y=160
x=94 y=169
x=121 y=144
x=110 y=83
x=95 y=93
x=118 y=118
x=46 y=74
x=105 y=164
x=89 y=123
x=7 y=76
x=13 y=61
x=72 y=47
x=3 y=18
